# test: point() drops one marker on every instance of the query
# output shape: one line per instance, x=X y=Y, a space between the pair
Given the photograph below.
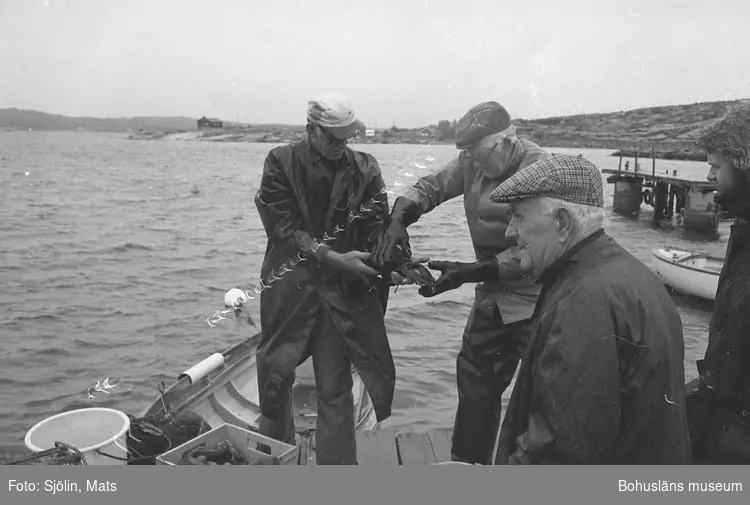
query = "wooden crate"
x=244 y=440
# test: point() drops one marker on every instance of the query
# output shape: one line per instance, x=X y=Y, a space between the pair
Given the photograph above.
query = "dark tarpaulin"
x=290 y=307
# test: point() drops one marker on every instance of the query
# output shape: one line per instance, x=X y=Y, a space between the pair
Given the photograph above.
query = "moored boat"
x=228 y=392
x=688 y=272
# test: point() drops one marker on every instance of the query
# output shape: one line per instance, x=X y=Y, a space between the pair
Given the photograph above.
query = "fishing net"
x=62 y=454
x=151 y=436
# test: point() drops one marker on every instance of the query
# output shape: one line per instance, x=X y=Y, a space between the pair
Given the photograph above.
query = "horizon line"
x=375 y=127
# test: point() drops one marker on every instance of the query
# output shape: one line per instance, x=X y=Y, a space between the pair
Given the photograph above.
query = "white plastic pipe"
x=208 y=365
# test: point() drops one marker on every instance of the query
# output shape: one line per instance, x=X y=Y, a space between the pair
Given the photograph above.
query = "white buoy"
x=208 y=365
x=235 y=297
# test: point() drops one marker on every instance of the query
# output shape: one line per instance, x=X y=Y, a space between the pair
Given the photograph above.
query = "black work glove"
x=454 y=274
x=404 y=213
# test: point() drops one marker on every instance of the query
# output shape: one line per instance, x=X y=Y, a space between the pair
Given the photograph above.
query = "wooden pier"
x=666 y=193
x=386 y=447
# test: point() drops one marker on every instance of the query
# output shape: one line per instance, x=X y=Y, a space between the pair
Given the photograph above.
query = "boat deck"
x=391 y=448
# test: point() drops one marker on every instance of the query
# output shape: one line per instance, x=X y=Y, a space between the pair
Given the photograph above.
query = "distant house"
x=429 y=132
x=369 y=133
x=206 y=122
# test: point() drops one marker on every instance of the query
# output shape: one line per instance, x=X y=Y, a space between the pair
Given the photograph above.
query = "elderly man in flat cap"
x=602 y=379
x=325 y=203
x=494 y=335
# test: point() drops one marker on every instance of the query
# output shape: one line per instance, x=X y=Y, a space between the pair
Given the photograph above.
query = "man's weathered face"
x=723 y=174
x=492 y=153
x=326 y=144
x=537 y=235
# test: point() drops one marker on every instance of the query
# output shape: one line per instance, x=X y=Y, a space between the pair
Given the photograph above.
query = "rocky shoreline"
x=406 y=137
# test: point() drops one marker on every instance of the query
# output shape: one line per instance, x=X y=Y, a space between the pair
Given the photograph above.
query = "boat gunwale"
x=677 y=264
x=206 y=385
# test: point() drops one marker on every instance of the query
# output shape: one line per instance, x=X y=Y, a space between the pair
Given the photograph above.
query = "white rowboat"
x=228 y=393
x=689 y=272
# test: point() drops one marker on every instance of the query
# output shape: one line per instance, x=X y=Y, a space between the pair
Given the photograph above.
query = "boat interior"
x=693 y=259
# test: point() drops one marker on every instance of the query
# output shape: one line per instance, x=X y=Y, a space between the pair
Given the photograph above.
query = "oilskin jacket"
x=487 y=222
x=602 y=381
x=720 y=408
x=726 y=364
x=291 y=305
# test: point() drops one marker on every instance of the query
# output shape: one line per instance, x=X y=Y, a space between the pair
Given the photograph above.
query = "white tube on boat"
x=208 y=365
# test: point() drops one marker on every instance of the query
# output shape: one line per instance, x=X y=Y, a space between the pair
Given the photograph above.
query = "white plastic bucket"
x=99 y=433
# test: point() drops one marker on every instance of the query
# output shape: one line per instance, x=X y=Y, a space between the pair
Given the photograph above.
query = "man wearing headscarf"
x=719 y=409
x=493 y=338
x=331 y=305
x=602 y=381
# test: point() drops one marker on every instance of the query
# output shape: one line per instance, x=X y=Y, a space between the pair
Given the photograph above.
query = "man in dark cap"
x=324 y=202
x=494 y=334
x=602 y=380
x=720 y=407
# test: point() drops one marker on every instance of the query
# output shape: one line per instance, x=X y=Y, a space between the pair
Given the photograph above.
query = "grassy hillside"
x=667 y=127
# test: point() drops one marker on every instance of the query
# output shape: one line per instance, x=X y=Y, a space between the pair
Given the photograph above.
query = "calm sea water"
x=109 y=267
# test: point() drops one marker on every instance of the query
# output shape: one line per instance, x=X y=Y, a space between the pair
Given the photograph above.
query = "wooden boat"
x=226 y=391
x=689 y=272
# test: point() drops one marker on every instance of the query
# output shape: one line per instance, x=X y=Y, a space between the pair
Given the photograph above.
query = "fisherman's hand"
x=392 y=236
x=404 y=213
x=352 y=263
x=450 y=277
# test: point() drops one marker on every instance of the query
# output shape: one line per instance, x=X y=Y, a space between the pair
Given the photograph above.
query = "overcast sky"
x=412 y=62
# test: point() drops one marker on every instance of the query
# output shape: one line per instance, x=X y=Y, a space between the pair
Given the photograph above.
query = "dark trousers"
x=335 y=442
x=490 y=353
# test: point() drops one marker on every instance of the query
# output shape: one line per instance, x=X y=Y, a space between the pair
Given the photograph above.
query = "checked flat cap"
x=560 y=176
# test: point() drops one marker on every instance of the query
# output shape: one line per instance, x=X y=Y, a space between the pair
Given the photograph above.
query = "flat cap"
x=480 y=121
x=570 y=178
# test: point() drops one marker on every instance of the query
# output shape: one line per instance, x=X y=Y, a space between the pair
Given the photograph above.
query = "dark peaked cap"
x=560 y=176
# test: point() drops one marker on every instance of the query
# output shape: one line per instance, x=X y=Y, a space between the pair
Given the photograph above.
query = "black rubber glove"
x=454 y=274
x=405 y=212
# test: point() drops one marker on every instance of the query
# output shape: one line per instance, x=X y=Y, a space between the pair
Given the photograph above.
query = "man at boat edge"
x=494 y=335
x=602 y=380
x=329 y=306
x=719 y=409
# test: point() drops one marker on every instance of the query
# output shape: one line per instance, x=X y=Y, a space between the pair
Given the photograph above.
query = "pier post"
x=660 y=200
x=627 y=197
x=701 y=212
x=653 y=163
x=680 y=199
x=670 y=204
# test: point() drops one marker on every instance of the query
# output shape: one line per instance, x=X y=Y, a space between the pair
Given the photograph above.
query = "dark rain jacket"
x=602 y=381
x=720 y=408
x=726 y=364
x=292 y=304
